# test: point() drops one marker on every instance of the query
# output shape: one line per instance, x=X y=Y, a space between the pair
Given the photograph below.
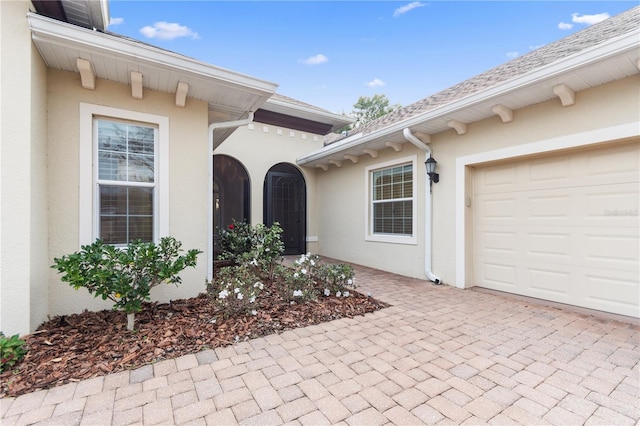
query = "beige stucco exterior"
x=341 y=191
x=187 y=176
x=258 y=147
x=23 y=182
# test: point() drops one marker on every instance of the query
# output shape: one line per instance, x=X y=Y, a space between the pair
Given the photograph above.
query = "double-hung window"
x=126 y=180
x=391 y=211
x=124 y=163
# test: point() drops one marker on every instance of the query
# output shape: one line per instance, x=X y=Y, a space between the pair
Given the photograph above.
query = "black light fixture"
x=430 y=164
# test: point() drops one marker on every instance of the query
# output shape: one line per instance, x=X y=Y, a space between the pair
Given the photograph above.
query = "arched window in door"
x=285 y=202
x=231 y=194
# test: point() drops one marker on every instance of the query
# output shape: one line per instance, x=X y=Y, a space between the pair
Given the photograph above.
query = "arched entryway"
x=285 y=202
x=231 y=194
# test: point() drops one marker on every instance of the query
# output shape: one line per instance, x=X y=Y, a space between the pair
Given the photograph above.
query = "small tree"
x=125 y=275
x=368 y=109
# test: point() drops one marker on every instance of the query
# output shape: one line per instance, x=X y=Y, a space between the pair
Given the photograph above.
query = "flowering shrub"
x=235 y=290
x=296 y=284
x=337 y=279
x=235 y=240
x=125 y=276
x=259 y=246
x=267 y=248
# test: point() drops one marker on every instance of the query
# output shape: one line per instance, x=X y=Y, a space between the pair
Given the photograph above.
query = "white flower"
x=258 y=285
x=327 y=292
x=240 y=296
x=295 y=275
x=343 y=276
x=304 y=271
x=313 y=263
x=338 y=294
x=253 y=299
x=223 y=294
x=267 y=249
x=349 y=281
x=236 y=290
x=346 y=294
x=254 y=312
x=254 y=262
x=297 y=293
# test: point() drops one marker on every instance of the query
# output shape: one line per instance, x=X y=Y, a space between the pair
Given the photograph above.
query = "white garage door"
x=562 y=228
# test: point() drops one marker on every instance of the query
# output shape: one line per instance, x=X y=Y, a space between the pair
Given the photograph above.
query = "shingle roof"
x=577 y=42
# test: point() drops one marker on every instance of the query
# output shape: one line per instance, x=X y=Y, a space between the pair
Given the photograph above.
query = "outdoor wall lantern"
x=430 y=164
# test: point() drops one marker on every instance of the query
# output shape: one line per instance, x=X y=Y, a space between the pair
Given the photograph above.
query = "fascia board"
x=57 y=32
x=302 y=111
x=622 y=44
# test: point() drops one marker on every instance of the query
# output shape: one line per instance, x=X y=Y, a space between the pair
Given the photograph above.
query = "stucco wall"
x=341 y=196
x=23 y=269
x=188 y=179
x=258 y=147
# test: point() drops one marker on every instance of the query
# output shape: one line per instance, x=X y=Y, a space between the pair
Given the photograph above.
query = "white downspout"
x=428 y=225
x=212 y=127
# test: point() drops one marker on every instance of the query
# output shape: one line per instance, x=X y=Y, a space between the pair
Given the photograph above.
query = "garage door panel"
x=547 y=283
x=563 y=228
x=612 y=250
x=617 y=292
x=551 y=246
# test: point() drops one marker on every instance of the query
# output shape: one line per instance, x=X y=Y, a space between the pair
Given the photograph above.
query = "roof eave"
x=624 y=43
x=45 y=29
x=336 y=120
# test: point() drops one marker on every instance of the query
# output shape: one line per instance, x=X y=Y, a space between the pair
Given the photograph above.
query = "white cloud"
x=576 y=18
x=406 y=8
x=116 y=21
x=513 y=54
x=315 y=60
x=167 y=31
x=589 y=19
x=376 y=82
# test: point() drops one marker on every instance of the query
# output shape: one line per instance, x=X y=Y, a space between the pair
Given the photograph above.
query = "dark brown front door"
x=285 y=203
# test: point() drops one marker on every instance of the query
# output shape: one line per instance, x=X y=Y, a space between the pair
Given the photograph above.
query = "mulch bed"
x=70 y=348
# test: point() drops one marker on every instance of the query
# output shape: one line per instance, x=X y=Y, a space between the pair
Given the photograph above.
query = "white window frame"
x=88 y=185
x=391 y=238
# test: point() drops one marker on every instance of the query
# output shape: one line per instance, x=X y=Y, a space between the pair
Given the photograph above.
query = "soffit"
x=230 y=95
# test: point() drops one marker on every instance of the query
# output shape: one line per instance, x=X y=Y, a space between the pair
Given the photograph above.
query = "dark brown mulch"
x=75 y=347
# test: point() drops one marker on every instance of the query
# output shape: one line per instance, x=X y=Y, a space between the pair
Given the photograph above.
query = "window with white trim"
x=391 y=204
x=125 y=181
x=123 y=173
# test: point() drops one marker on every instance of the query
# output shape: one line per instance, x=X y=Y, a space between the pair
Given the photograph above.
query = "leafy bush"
x=259 y=246
x=11 y=351
x=235 y=290
x=295 y=284
x=125 y=275
x=337 y=279
x=235 y=240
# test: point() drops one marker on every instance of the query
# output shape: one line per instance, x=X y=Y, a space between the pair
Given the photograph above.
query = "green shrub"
x=235 y=290
x=260 y=246
x=125 y=275
x=11 y=351
x=235 y=240
x=337 y=279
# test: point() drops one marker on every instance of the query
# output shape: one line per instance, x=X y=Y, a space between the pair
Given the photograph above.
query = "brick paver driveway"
x=439 y=355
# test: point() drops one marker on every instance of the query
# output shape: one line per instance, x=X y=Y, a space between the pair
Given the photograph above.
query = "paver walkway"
x=439 y=355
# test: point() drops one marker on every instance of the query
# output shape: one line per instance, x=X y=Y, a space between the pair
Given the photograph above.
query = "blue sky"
x=329 y=53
